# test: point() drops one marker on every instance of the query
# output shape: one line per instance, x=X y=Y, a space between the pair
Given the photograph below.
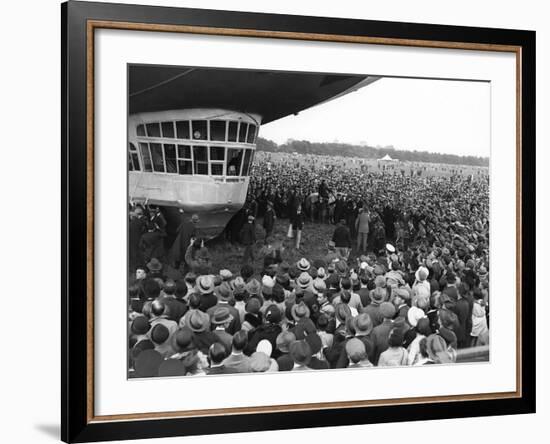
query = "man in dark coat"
x=269 y=220
x=342 y=239
x=248 y=239
x=269 y=330
x=136 y=228
x=187 y=230
x=381 y=332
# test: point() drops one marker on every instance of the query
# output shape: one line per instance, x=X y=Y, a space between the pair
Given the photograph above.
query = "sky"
x=441 y=116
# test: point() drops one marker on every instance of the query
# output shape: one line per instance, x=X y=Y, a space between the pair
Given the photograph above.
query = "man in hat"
x=221 y=319
x=363 y=326
x=248 y=239
x=381 y=332
x=205 y=285
x=199 y=323
x=225 y=298
x=301 y=353
x=357 y=354
x=155 y=269
x=400 y=298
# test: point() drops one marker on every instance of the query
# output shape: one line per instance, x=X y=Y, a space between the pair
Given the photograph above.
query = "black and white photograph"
x=300 y=221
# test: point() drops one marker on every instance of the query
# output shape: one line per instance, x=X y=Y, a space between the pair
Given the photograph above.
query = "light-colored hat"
x=421 y=274
x=303 y=264
x=414 y=315
x=226 y=274
x=390 y=248
x=259 y=362
x=264 y=346
x=268 y=281
x=205 y=284
x=299 y=311
x=304 y=280
x=319 y=284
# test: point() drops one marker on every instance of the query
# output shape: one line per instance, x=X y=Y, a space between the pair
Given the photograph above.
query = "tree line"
x=366 y=152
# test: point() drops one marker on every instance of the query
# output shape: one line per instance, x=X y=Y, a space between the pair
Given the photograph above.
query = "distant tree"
x=367 y=152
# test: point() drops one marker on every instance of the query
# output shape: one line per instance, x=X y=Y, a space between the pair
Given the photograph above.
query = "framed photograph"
x=275 y=222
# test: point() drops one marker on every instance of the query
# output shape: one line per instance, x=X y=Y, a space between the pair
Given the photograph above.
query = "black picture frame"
x=76 y=423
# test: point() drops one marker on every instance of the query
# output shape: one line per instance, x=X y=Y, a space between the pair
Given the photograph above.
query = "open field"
x=313 y=245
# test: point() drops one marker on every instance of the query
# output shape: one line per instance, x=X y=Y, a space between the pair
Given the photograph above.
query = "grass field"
x=313 y=245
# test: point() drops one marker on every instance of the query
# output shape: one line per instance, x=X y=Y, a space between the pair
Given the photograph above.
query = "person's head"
x=345 y=283
x=159 y=334
x=140 y=273
x=157 y=308
x=151 y=288
x=195 y=219
x=240 y=340
x=345 y=296
x=387 y=310
x=355 y=349
x=398 y=298
x=194 y=300
x=448 y=319
x=216 y=353
x=396 y=337
x=423 y=327
x=169 y=287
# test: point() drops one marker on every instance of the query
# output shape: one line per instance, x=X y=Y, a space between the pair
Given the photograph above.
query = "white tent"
x=388 y=158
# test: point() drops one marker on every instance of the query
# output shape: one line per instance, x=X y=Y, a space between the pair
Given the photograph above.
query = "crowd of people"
x=404 y=279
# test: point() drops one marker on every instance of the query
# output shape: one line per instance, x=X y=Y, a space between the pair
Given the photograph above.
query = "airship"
x=192 y=132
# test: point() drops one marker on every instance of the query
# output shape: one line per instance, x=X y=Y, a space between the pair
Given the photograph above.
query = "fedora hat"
x=253 y=287
x=182 y=340
x=221 y=315
x=387 y=310
x=205 y=284
x=300 y=351
x=303 y=264
x=199 y=321
x=223 y=291
x=363 y=323
x=226 y=274
x=421 y=274
x=284 y=339
x=414 y=315
x=304 y=280
x=299 y=311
